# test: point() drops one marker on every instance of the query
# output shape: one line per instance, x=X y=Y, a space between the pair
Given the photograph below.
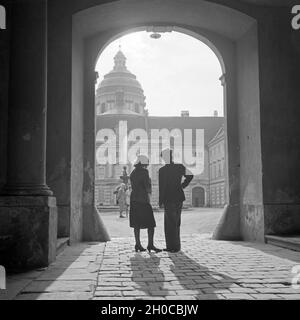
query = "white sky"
x=177 y=72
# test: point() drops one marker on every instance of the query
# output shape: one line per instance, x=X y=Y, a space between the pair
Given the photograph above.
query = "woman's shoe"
x=139 y=248
x=156 y=250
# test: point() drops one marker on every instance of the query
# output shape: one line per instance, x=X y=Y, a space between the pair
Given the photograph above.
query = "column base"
x=229 y=226
x=94 y=228
x=27 y=190
x=31 y=225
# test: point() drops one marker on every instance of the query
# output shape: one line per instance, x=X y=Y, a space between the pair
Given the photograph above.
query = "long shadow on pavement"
x=177 y=276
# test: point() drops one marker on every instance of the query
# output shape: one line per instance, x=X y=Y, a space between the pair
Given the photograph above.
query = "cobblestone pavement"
x=73 y=276
x=204 y=269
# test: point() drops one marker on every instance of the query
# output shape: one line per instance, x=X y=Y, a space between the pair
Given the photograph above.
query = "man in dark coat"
x=171 y=197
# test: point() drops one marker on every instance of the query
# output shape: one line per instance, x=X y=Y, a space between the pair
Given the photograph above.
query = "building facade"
x=217 y=167
x=120 y=98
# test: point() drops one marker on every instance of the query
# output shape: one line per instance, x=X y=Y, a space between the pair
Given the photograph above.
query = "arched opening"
x=158 y=88
x=198 y=197
x=233 y=37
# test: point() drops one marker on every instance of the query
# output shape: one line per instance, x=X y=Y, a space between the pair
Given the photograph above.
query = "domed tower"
x=120 y=92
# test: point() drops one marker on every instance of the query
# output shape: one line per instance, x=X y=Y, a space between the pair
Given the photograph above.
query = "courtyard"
x=205 y=269
x=193 y=221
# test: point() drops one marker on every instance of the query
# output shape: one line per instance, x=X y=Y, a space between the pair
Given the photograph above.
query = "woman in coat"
x=141 y=213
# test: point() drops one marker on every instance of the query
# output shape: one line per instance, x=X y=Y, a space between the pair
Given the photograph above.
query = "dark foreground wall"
x=279 y=49
x=4 y=70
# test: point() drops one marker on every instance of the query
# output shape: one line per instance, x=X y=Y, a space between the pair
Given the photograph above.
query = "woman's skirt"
x=141 y=215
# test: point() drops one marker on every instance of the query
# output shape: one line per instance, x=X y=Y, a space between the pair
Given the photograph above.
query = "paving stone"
x=161 y=292
x=216 y=290
x=108 y=294
x=198 y=286
x=290 y=296
x=134 y=293
x=277 y=290
x=13 y=288
x=55 y=276
x=176 y=298
x=111 y=288
x=59 y=286
x=252 y=285
x=238 y=296
x=242 y=290
x=266 y=296
x=210 y=297
x=56 y=296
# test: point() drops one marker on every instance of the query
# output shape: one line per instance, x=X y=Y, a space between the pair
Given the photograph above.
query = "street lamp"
x=155 y=35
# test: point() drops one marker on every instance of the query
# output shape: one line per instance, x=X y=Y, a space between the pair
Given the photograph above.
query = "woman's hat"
x=142 y=161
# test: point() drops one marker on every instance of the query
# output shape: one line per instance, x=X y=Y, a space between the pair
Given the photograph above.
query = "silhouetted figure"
x=121 y=200
x=141 y=213
x=171 y=197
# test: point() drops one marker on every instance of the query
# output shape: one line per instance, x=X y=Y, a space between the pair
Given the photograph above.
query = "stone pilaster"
x=229 y=224
x=27 y=208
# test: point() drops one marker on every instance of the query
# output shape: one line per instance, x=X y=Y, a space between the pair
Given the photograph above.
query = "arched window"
x=198 y=197
x=136 y=108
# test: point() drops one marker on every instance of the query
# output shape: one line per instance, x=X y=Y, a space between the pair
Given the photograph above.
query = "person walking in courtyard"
x=121 y=199
x=128 y=193
x=141 y=214
x=171 y=198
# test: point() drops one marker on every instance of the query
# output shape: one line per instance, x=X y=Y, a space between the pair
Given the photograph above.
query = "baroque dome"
x=120 y=92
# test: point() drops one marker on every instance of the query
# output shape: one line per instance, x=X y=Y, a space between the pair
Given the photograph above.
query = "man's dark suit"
x=171 y=196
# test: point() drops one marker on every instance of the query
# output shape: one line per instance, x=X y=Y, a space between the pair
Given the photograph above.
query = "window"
x=222 y=167
x=218 y=195
x=129 y=104
x=103 y=108
x=100 y=172
x=110 y=105
x=98 y=110
x=136 y=108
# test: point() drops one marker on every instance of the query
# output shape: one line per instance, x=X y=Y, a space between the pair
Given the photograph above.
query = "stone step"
x=288 y=242
x=61 y=244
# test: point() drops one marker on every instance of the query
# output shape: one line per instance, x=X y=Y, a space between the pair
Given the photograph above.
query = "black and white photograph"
x=149 y=151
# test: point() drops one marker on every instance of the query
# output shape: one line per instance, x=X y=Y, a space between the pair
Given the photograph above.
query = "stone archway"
x=233 y=35
x=261 y=122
